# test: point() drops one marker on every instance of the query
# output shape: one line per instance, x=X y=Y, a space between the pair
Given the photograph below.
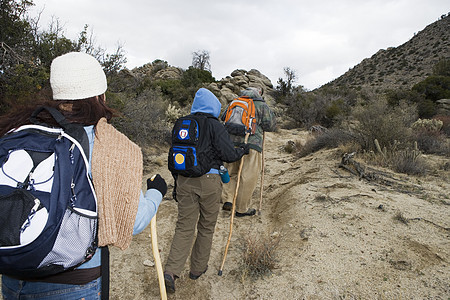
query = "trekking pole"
x=233 y=209
x=155 y=249
x=262 y=176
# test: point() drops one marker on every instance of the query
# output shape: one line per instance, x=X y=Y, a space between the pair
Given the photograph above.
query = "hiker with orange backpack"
x=264 y=120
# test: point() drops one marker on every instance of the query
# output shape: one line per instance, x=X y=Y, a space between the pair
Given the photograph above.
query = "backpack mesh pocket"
x=75 y=241
x=16 y=207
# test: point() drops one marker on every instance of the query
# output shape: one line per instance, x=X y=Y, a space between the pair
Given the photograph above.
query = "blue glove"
x=157 y=183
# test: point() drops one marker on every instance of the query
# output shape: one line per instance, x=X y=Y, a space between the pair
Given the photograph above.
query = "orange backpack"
x=240 y=116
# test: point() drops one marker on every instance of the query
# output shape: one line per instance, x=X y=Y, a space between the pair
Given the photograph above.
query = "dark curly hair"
x=85 y=111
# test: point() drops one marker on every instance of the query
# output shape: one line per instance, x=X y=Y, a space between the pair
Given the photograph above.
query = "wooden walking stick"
x=233 y=209
x=262 y=176
x=155 y=250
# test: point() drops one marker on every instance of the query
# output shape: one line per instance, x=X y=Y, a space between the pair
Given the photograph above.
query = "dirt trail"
x=340 y=237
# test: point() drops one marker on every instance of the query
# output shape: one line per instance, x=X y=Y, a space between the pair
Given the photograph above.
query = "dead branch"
x=349 y=164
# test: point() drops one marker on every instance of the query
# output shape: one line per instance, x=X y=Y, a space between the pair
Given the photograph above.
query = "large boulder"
x=226 y=96
x=231 y=86
x=443 y=107
x=169 y=73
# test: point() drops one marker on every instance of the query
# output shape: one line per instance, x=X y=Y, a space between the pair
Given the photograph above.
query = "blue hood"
x=206 y=102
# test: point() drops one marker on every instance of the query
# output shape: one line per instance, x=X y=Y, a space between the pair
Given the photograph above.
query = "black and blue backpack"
x=188 y=154
x=48 y=206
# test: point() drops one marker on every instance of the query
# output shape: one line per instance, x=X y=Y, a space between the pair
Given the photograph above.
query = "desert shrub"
x=182 y=90
x=305 y=108
x=377 y=120
x=432 y=125
x=194 y=77
x=429 y=138
x=442 y=67
x=174 y=90
x=333 y=111
x=290 y=147
x=432 y=142
x=173 y=113
x=323 y=107
x=331 y=138
x=445 y=123
x=259 y=256
x=158 y=65
x=426 y=108
x=401 y=218
x=143 y=119
x=408 y=162
x=434 y=87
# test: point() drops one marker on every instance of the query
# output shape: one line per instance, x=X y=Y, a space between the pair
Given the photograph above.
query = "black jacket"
x=221 y=148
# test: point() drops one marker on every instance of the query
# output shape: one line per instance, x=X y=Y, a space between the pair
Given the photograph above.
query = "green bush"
x=376 y=120
x=181 y=90
x=333 y=111
x=324 y=107
x=143 y=119
x=426 y=108
x=434 y=87
x=395 y=97
x=442 y=68
x=331 y=138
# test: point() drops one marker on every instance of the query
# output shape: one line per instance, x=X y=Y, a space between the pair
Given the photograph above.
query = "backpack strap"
x=105 y=272
x=74 y=130
x=56 y=114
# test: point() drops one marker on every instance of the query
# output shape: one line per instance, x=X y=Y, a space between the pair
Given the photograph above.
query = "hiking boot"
x=227 y=206
x=250 y=212
x=169 y=282
x=196 y=275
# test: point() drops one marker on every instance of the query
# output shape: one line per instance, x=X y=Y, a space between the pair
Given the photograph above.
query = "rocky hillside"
x=393 y=68
x=403 y=66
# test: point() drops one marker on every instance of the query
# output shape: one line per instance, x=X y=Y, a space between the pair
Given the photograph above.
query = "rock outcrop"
x=443 y=107
x=169 y=73
x=230 y=87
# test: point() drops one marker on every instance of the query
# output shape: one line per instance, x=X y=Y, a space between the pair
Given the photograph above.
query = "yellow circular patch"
x=179 y=158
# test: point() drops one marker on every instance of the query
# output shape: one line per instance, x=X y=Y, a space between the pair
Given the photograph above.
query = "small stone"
x=149 y=263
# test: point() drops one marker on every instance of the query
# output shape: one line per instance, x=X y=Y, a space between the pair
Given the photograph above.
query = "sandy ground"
x=340 y=237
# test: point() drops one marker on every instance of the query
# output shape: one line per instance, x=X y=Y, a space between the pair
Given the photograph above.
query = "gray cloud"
x=319 y=40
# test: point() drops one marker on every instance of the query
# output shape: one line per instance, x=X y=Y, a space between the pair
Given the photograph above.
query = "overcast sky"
x=320 y=40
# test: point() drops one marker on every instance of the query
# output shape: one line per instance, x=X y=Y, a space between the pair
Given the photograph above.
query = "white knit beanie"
x=75 y=76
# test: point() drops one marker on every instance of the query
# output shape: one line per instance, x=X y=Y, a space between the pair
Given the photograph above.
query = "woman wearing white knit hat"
x=79 y=84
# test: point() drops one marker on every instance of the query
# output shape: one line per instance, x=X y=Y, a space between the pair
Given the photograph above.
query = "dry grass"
x=406 y=162
x=259 y=256
x=399 y=217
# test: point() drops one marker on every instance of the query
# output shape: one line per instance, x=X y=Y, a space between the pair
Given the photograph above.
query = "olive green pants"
x=247 y=184
x=198 y=206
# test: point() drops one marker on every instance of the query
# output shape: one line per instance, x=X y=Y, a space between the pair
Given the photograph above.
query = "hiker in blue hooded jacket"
x=199 y=197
